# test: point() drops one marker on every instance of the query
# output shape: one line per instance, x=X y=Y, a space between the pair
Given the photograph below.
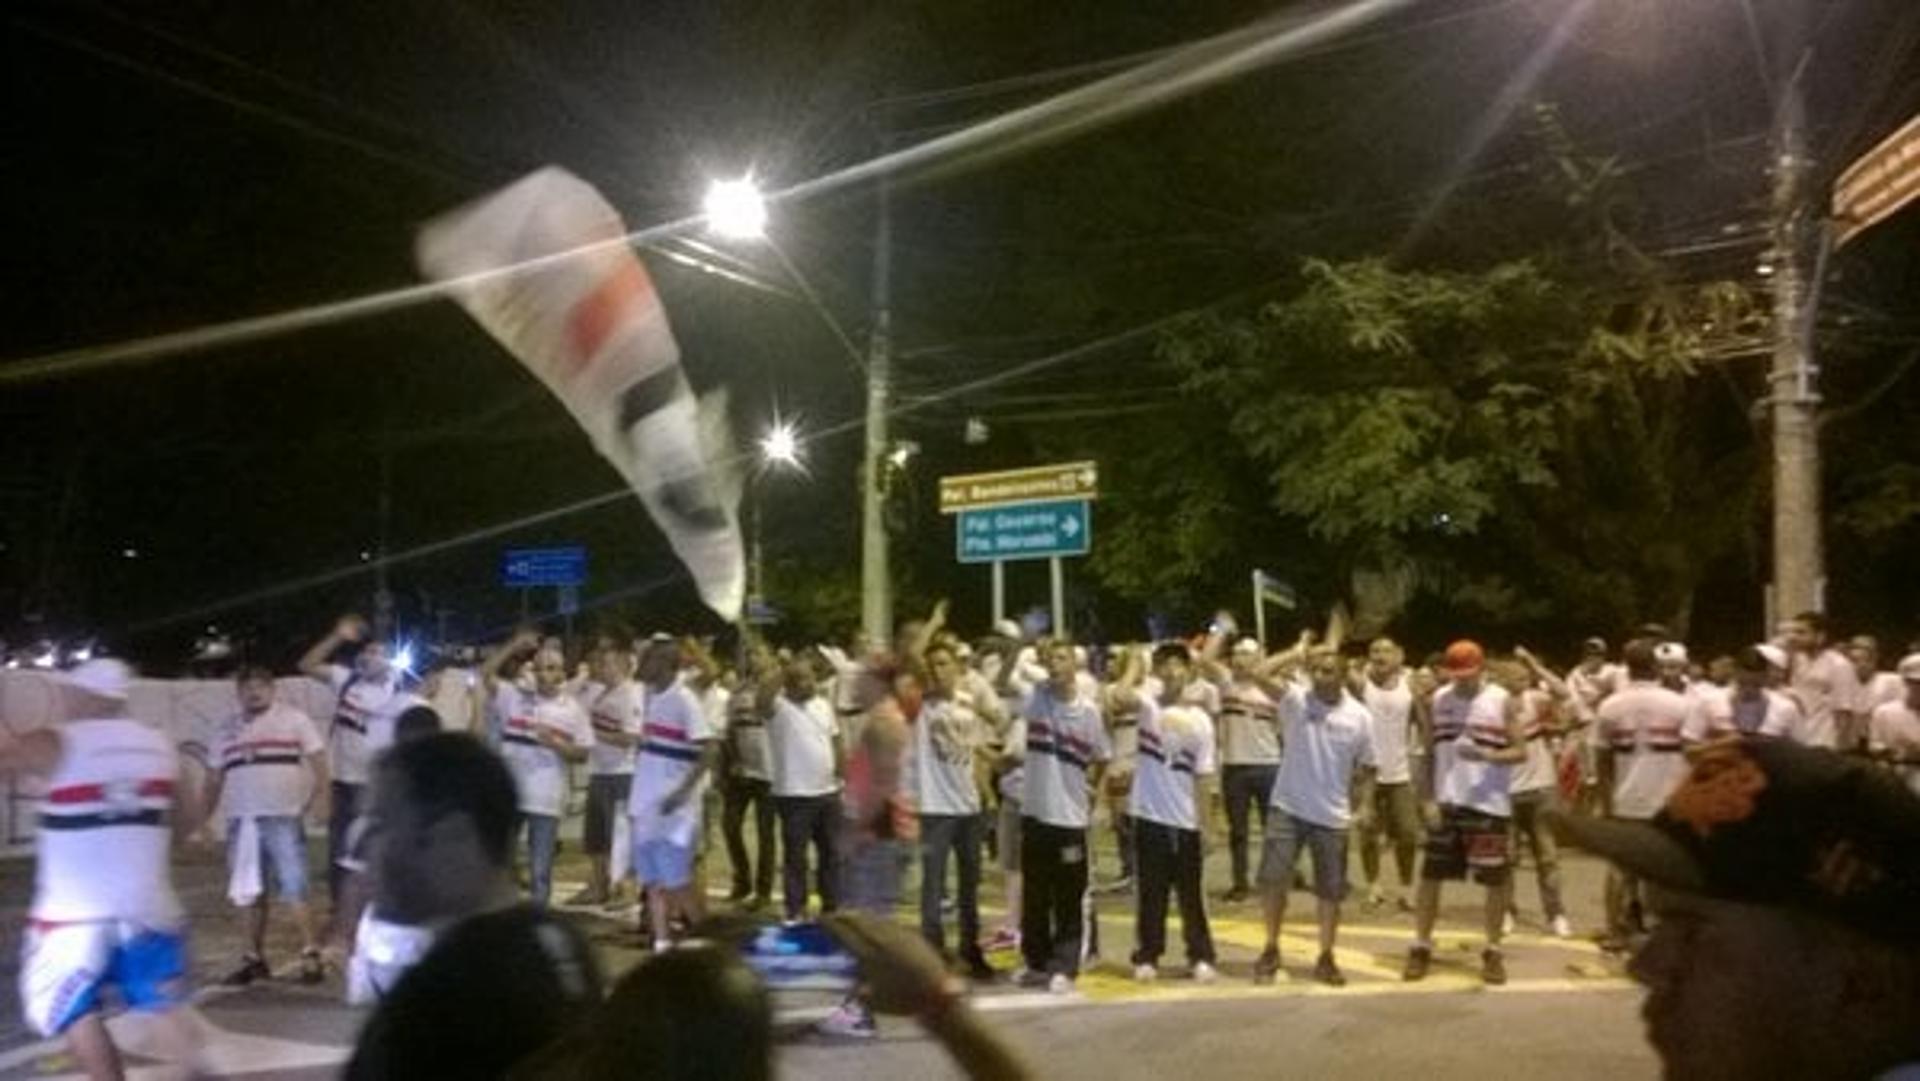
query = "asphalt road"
x=1567 y=1013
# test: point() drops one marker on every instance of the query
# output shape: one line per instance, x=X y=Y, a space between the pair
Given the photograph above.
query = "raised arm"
x=349 y=628
x=523 y=640
x=1555 y=686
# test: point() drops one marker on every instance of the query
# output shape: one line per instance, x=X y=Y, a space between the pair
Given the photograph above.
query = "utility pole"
x=876 y=583
x=1799 y=576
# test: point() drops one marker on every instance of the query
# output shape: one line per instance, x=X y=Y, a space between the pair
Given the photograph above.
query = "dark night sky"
x=175 y=164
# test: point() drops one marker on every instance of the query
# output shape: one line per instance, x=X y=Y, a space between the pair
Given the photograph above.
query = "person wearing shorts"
x=676 y=753
x=1477 y=739
x=271 y=764
x=104 y=915
x=1327 y=769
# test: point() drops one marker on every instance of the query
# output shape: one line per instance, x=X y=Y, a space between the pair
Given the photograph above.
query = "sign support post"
x=999 y=590
x=1057 y=571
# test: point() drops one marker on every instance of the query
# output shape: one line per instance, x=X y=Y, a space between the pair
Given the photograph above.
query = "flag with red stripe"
x=542 y=265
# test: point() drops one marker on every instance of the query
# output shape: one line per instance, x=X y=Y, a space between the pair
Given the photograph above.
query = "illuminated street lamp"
x=735 y=209
x=779 y=449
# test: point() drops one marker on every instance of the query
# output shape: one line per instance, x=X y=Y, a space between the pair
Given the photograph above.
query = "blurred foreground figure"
x=504 y=977
x=1787 y=884
x=104 y=914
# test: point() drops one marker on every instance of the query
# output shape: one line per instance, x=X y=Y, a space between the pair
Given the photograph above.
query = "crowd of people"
x=1002 y=755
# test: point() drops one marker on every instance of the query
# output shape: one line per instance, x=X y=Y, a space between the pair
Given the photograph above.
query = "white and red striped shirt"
x=263 y=762
x=672 y=743
x=106 y=827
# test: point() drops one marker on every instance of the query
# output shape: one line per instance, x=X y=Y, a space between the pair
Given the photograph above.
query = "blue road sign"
x=522 y=568
x=1058 y=527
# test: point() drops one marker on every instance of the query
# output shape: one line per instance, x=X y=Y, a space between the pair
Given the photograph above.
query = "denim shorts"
x=283 y=853
x=1286 y=835
x=663 y=864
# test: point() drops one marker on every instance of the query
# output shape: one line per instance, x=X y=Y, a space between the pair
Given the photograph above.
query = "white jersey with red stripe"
x=1538 y=771
x=106 y=827
x=1645 y=726
x=674 y=740
x=1480 y=718
x=364 y=710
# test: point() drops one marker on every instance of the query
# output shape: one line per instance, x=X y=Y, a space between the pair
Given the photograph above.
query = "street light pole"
x=1798 y=573
x=876 y=583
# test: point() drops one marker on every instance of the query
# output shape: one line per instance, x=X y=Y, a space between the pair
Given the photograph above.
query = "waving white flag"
x=592 y=328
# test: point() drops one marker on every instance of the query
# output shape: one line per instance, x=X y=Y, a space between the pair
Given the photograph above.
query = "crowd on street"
x=838 y=771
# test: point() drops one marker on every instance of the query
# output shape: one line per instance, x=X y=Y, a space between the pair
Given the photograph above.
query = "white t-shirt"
x=1538 y=770
x=676 y=729
x=1173 y=756
x=104 y=835
x=1480 y=718
x=801 y=736
x=747 y=732
x=1249 y=725
x=1591 y=688
x=1123 y=732
x=1391 y=708
x=1894 y=729
x=1325 y=743
x=618 y=711
x=1724 y=713
x=538 y=770
x=263 y=762
x=363 y=705
x=1645 y=725
x=945 y=736
x=1877 y=691
x=1064 y=738
x=1823 y=684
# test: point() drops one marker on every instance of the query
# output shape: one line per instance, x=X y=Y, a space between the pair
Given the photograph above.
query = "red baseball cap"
x=1464 y=658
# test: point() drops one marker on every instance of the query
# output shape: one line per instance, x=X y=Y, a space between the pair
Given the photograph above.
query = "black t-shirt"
x=492 y=991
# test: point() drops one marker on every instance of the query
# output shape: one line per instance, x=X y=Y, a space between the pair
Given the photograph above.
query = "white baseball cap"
x=1670 y=653
x=104 y=678
x=1774 y=654
x=1247 y=645
x=1910 y=668
x=1007 y=628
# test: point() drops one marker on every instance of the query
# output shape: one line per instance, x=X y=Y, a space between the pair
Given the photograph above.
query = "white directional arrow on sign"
x=1070 y=526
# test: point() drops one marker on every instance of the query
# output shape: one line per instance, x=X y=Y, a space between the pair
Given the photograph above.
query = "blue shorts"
x=64 y=968
x=283 y=854
x=663 y=864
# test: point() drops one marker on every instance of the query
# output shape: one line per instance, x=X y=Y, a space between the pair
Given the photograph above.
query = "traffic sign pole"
x=1058 y=572
x=999 y=590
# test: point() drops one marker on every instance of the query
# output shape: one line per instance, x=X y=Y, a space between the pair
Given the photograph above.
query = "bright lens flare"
x=780 y=446
x=736 y=209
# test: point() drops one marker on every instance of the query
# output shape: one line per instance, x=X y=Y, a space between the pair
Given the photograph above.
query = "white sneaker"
x=1506 y=924
x=1204 y=973
x=1561 y=927
x=1145 y=973
x=849 y=1021
x=1061 y=984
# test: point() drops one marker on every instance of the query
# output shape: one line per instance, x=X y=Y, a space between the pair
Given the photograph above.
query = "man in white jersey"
x=1327 y=770
x=1009 y=775
x=677 y=751
x=949 y=732
x=1641 y=732
x=1749 y=707
x=1876 y=687
x=365 y=697
x=544 y=732
x=746 y=767
x=1893 y=730
x=1066 y=750
x=1168 y=806
x=809 y=759
x=1249 y=744
x=1540 y=696
x=1384 y=689
x=1476 y=743
x=614 y=703
x=269 y=765
x=104 y=912
x=1824 y=683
